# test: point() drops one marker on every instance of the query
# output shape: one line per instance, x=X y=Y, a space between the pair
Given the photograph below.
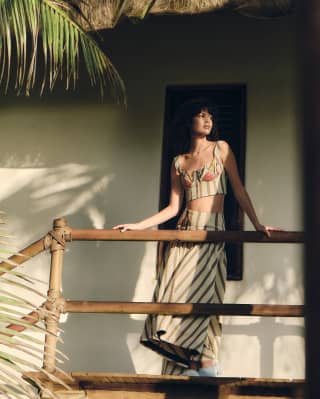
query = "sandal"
x=190 y=373
x=212 y=371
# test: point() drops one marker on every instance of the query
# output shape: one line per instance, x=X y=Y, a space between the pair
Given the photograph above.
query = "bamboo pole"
x=180 y=235
x=54 y=293
x=29 y=252
x=184 y=308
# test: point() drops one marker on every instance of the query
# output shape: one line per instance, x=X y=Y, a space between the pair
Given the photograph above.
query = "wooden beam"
x=183 y=308
x=180 y=235
x=95 y=380
x=309 y=28
x=142 y=386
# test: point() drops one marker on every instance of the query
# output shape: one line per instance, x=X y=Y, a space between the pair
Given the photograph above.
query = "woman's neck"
x=198 y=144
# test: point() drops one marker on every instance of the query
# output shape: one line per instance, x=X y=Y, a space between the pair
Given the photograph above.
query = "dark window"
x=231 y=101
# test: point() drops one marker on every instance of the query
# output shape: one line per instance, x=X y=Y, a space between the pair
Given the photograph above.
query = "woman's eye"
x=203 y=115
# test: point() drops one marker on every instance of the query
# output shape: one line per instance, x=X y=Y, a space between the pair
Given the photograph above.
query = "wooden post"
x=309 y=29
x=55 y=300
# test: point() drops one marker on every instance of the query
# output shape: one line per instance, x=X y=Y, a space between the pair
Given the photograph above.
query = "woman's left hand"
x=267 y=229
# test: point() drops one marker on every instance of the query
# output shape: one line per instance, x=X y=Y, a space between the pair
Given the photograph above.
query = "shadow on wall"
x=76 y=159
x=269 y=347
x=52 y=192
x=91 y=270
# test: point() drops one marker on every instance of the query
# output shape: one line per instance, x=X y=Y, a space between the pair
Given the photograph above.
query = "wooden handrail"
x=184 y=235
x=184 y=308
x=55 y=240
x=164 y=308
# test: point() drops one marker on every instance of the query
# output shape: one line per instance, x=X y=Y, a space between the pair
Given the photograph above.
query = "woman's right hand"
x=128 y=226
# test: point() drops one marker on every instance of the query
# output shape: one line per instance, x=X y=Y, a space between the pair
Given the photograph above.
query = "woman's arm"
x=239 y=190
x=165 y=214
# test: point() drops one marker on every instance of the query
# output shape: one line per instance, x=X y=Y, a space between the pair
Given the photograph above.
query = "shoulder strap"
x=216 y=151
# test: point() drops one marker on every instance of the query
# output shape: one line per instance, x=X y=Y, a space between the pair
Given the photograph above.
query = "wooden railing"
x=57 y=238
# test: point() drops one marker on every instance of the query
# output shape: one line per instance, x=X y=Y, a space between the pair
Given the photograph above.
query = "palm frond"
x=54 y=23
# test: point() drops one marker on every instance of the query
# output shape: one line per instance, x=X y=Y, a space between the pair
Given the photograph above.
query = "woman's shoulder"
x=222 y=150
x=223 y=147
x=176 y=164
x=222 y=144
x=182 y=157
x=179 y=162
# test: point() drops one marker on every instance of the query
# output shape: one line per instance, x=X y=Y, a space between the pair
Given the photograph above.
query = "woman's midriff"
x=212 y=203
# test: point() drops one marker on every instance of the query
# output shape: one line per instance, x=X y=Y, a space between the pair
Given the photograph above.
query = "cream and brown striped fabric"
x=209 y=180
x=191 y=273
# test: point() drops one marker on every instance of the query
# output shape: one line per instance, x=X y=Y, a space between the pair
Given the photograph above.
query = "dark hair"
x=182 y=122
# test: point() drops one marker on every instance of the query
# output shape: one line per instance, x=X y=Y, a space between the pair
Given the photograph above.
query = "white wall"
x=75 y=156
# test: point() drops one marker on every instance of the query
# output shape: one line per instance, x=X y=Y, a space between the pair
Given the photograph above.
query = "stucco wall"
x=98 y=165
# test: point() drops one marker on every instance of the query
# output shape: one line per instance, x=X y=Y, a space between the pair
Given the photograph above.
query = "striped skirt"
x=191 y=273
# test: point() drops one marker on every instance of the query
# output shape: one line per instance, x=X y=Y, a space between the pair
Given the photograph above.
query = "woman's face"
x=202 y=123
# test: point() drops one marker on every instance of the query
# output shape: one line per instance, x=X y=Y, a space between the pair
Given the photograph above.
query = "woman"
x=194 y=272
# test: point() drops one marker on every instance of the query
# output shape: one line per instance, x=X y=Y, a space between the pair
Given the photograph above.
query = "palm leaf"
x=23 y=286
x=63 y=39
x=27 y=348
x=29 y=338
x=21 y=351
x=10 y=380
x=21 y=275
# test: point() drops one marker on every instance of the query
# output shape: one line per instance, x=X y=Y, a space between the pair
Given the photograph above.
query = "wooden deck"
x=140 y=386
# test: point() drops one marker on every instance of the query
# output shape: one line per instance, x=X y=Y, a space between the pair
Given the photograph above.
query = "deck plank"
x=86 y=385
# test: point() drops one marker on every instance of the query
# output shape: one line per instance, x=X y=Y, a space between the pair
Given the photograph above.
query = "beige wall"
x=99 y=165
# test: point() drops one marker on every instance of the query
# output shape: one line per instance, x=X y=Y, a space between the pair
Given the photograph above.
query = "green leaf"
x=23 y=286
x=62 y=39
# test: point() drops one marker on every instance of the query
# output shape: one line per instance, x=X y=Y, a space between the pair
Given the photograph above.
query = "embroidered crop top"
x=209 y=180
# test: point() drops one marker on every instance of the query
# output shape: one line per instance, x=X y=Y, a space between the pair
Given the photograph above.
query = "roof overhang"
x=104 y=14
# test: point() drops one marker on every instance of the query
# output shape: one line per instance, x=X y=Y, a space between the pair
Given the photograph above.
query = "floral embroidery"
x=206 y=173
x=210 y=176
